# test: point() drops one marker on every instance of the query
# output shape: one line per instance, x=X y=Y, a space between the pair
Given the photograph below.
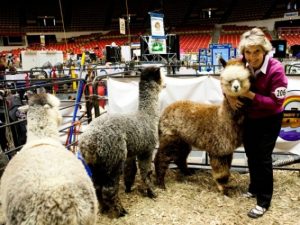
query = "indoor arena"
x=150 y=112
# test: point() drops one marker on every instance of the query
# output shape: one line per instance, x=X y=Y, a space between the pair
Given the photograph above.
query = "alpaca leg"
x=98 y=178
x=144 y=162
x=163 y=157
x=161 y=163
x=182 y=150
x=130 y=170
x=98 y=188
x=111 y=203
x=221 y=170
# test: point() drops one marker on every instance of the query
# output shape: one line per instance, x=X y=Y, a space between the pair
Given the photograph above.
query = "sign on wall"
x=157 y=45
x=157 y=25
x=219 y=51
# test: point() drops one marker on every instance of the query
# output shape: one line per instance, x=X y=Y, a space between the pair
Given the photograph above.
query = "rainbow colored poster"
x=290 y=129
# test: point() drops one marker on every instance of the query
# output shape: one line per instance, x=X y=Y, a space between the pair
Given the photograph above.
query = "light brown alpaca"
x=212 y=128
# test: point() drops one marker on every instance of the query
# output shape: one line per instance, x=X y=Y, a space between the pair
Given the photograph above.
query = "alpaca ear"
x=157 y=73
x=223 y=62
x=23 y=108
x=53 y=101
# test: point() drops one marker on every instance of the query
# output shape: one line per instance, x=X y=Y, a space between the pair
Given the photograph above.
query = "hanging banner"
x=122 y=26
x=157 y=25
x=157 y=45
x=42 y=40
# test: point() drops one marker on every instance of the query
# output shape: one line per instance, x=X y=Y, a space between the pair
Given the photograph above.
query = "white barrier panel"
x=123 y=92
x=123 y=97
x=31 y=59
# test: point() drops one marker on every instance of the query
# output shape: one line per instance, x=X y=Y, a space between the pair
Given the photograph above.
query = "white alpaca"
x=44 y=183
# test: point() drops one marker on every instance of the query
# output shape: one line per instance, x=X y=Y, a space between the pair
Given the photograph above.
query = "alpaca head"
x=150 y=74
x=45 y=105
x=150 y=85
x=235 y=77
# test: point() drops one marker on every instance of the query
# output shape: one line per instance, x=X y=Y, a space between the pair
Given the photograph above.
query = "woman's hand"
x=234 y=102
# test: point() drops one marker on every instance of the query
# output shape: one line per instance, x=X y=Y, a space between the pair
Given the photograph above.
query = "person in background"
x=263 y=115
x=2 y=70
x=3 y=140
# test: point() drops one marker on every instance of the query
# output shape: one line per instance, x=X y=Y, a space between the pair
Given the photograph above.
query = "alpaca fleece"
x=44 y=183
x=111 y=145
x=213 y=128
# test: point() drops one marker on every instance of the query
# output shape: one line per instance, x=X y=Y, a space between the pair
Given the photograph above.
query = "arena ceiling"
x=106 y=13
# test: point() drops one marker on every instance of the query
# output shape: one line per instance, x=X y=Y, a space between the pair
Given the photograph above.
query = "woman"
x=263 y=116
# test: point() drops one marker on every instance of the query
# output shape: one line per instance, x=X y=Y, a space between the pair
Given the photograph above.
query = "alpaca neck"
x=227 y=105
x=234 y=115
x=41 y=129
x=148 y=99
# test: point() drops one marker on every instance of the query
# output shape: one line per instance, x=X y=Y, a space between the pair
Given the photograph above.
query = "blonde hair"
x=254 y=37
